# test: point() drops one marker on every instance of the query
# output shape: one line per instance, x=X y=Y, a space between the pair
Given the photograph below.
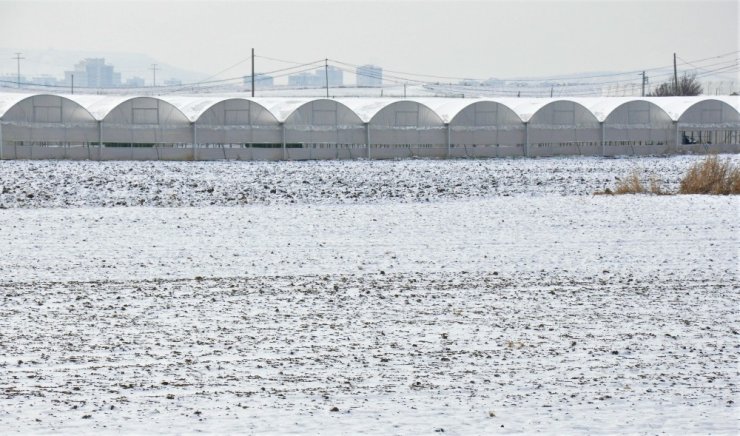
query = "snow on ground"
x=470 y=353
x=30 y=184
x=583 y=235
x=529 y=307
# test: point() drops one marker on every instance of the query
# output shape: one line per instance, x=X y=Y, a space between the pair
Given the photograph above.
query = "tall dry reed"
x=712 y=176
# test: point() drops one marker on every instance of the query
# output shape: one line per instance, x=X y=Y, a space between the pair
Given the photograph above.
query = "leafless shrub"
x=687 y=85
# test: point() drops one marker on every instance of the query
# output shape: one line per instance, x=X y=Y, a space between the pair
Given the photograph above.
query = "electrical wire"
x=570 y=85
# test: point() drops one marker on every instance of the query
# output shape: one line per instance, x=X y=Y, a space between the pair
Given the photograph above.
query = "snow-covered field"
x=401 y=297
x=37 y=184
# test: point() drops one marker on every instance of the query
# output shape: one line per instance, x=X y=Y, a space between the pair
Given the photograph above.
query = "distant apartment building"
x=135 y=82
x=369 y=75
x=11 y=80
x=172 y=82
x=45 y=80
x=260 y=81
x=493 y=82
x=305 y=80
x=318 y=78
x=335 y=75
x=469 y=82
x=93 y=73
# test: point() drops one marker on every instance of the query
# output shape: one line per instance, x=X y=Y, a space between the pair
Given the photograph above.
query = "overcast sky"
x=447 y=38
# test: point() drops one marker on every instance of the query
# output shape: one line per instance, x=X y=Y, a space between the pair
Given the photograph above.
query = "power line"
x=540 y=79
x=706 y=59
x=572 y=85
x=280 y=60
x=289 y=70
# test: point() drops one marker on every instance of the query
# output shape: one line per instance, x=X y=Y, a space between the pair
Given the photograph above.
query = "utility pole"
x=154 y=74
x=18 y=58
x=73 y=84
x=326 y=76
x=551 y=89
x=252 y=73
x=675 y=76
x=644 y=81
x=404 y=90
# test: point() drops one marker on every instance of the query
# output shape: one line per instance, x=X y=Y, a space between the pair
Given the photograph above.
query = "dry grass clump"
x=633 y=184
x=630 y=185
x=712 y=176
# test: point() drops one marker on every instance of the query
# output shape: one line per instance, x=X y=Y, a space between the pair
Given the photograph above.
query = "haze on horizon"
x=475 y=39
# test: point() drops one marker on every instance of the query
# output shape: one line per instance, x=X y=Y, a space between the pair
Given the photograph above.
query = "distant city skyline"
x=449 y=39
x=88 y=72
x=53 y=65
x=97 y=75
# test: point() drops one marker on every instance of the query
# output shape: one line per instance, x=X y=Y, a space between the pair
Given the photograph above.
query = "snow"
x=524 y=305
x=41 y=184
x=583 y=235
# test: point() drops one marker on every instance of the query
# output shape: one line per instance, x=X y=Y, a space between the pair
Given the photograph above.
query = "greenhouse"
x=209 y=127
x=559 y=127
x=482 y=128
x=634 y=123
x=322 y=129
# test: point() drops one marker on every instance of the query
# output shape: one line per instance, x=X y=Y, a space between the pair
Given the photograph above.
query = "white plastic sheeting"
x=230 y=121
x=8 y=100
x=407 y=123
x=324 y=121
x=49 y=118
x=145 y=120
x=482 y=123
x=562 y=122
x=638 y=120
x=234 y=119
x=709 y=114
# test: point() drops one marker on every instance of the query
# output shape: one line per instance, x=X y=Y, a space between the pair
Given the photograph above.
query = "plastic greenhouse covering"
x=429 y=122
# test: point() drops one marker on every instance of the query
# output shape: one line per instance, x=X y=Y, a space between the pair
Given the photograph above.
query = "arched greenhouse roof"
x=432 y=118
x=447 y=109
x=601 y=108
x=282 y=108
x=604 y=110
x=732 y=100
x=193 y=107
x=8 y=100
x=711 y=113
x=108 y=108
x=103 y=105
x=532 y=109
x=348 y=116
x=525 y=108
x=8 y=104
x=453 y=112
x=676 y=106
x=436 y=110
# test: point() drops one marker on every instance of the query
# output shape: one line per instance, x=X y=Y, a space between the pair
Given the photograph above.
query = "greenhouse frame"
x=210 y=127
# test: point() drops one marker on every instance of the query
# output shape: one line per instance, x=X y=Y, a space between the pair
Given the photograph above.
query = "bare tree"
x=687 y=85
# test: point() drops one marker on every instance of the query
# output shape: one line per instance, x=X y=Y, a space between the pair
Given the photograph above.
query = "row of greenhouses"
x=213 y=127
